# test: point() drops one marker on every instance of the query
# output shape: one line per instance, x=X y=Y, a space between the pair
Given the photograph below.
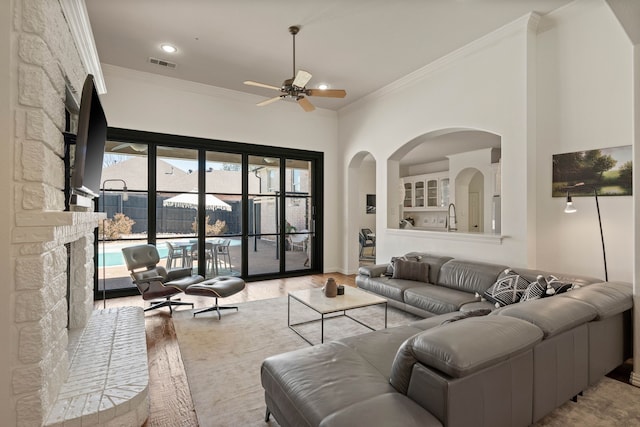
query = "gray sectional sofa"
x=459 y=366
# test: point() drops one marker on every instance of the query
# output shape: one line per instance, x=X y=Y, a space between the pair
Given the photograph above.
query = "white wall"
x=143 y=101
x=585 y=101
x=367 y=175
x=484 y=87
x=565 y=86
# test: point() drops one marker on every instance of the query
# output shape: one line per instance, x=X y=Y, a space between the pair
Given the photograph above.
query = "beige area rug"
x=223 y=357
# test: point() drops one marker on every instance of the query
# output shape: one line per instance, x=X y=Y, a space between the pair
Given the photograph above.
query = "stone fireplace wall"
x=46 y=69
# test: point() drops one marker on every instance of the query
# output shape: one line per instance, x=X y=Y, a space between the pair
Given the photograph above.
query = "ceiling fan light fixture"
x=168 y=48
x=295 y=87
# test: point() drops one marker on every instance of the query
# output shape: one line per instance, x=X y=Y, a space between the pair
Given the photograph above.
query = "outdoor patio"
x=262 y=260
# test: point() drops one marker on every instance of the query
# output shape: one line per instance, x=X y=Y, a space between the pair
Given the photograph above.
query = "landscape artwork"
x=607 y=170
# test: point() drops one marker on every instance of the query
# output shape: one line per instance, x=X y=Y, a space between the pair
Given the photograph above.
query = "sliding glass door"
x=218 y=207
x=281 y=215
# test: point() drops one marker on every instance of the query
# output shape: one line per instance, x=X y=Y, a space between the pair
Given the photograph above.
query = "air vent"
x=163 y=63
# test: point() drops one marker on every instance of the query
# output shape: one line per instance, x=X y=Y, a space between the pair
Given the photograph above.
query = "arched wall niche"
x=447 y=153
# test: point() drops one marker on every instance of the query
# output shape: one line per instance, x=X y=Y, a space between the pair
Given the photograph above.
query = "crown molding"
x=529 y=22
x=75 y=12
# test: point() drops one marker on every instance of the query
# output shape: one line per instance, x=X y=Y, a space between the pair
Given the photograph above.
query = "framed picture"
x=608 y=170
x=371 y=203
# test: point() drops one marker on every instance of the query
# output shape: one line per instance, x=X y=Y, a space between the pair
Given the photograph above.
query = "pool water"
x=114 y=256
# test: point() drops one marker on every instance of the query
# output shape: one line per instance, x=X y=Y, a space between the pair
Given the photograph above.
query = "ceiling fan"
x=295 y=87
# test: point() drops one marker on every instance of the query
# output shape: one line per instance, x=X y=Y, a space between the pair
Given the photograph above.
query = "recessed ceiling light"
x=168 y=48
x=323 y=86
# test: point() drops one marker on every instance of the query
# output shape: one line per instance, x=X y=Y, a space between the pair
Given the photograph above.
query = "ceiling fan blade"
x=328 y=93
x=305 y=104
x=266 y=86
x=302 y=78
x=120 y=147
x=269 y=101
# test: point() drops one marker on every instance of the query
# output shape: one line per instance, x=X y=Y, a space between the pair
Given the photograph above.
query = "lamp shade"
x=570 y=208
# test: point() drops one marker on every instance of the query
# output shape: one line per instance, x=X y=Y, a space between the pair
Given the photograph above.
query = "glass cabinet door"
x=444 y=192
x=408 y=195
x=432 y=193
x=419 y=194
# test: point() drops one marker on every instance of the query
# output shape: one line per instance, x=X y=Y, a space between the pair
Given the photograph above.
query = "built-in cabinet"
x=428 y=192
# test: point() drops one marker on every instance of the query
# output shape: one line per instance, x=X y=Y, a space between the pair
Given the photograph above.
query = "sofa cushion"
x=379 y=347
x=435 y=263
x=461 y=348
x=508 y=289
x=411 y=270
x=390 y=409
x=552 y=315
x=317 y=381
x=437 y=299
x=608 y=298
x=469 y=276
x=386 y=286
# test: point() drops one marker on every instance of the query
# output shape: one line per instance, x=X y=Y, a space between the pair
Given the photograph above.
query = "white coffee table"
x=314 y=299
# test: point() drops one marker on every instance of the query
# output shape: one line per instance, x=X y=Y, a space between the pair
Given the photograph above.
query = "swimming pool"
x=113 y=255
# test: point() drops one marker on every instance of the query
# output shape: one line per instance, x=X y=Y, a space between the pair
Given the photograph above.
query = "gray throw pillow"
x=411 y=270
x=391 y=265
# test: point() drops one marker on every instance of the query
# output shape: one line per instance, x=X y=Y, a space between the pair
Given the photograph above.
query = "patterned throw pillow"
x=546 y=287
x=411 y=270
x=556 y=286
x=535 y=290
x=508 y=289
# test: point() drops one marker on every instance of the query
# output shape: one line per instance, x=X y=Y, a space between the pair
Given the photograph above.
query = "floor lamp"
x=125 y=197
x=571 y=209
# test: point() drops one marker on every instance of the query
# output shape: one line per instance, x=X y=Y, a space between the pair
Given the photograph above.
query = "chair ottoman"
x=218 y=287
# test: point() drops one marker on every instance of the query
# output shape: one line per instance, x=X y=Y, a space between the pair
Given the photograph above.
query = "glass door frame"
x=153 y=140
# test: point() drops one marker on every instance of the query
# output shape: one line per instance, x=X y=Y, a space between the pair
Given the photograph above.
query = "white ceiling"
x=356 y=45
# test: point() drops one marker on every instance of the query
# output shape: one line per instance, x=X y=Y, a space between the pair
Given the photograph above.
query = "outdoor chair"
x=222 y=253
x=178 y=253
x=366 y=242
x=299 y=241
x=155 y=283
x=209 y=257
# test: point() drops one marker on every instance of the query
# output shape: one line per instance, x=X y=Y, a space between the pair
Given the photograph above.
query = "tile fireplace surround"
x=49 y=62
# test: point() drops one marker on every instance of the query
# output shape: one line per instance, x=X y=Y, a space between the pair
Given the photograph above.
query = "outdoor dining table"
x=183 y=250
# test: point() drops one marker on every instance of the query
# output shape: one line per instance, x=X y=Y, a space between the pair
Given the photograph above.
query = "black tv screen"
x=90 y=143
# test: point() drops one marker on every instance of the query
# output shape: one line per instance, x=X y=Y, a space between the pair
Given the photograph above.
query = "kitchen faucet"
x=452 y=225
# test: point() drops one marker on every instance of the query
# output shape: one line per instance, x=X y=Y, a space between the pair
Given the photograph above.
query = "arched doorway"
x=362 y=201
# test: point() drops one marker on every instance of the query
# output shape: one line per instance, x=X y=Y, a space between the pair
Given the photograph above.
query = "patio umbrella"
x=190 y=200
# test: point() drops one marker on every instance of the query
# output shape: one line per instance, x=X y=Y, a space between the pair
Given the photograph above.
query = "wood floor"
x=169 y=394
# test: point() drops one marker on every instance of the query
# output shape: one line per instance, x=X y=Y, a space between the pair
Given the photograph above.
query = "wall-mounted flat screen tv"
x=90 y=143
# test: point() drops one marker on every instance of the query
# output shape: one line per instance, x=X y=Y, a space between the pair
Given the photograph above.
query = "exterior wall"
x=44 y=61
